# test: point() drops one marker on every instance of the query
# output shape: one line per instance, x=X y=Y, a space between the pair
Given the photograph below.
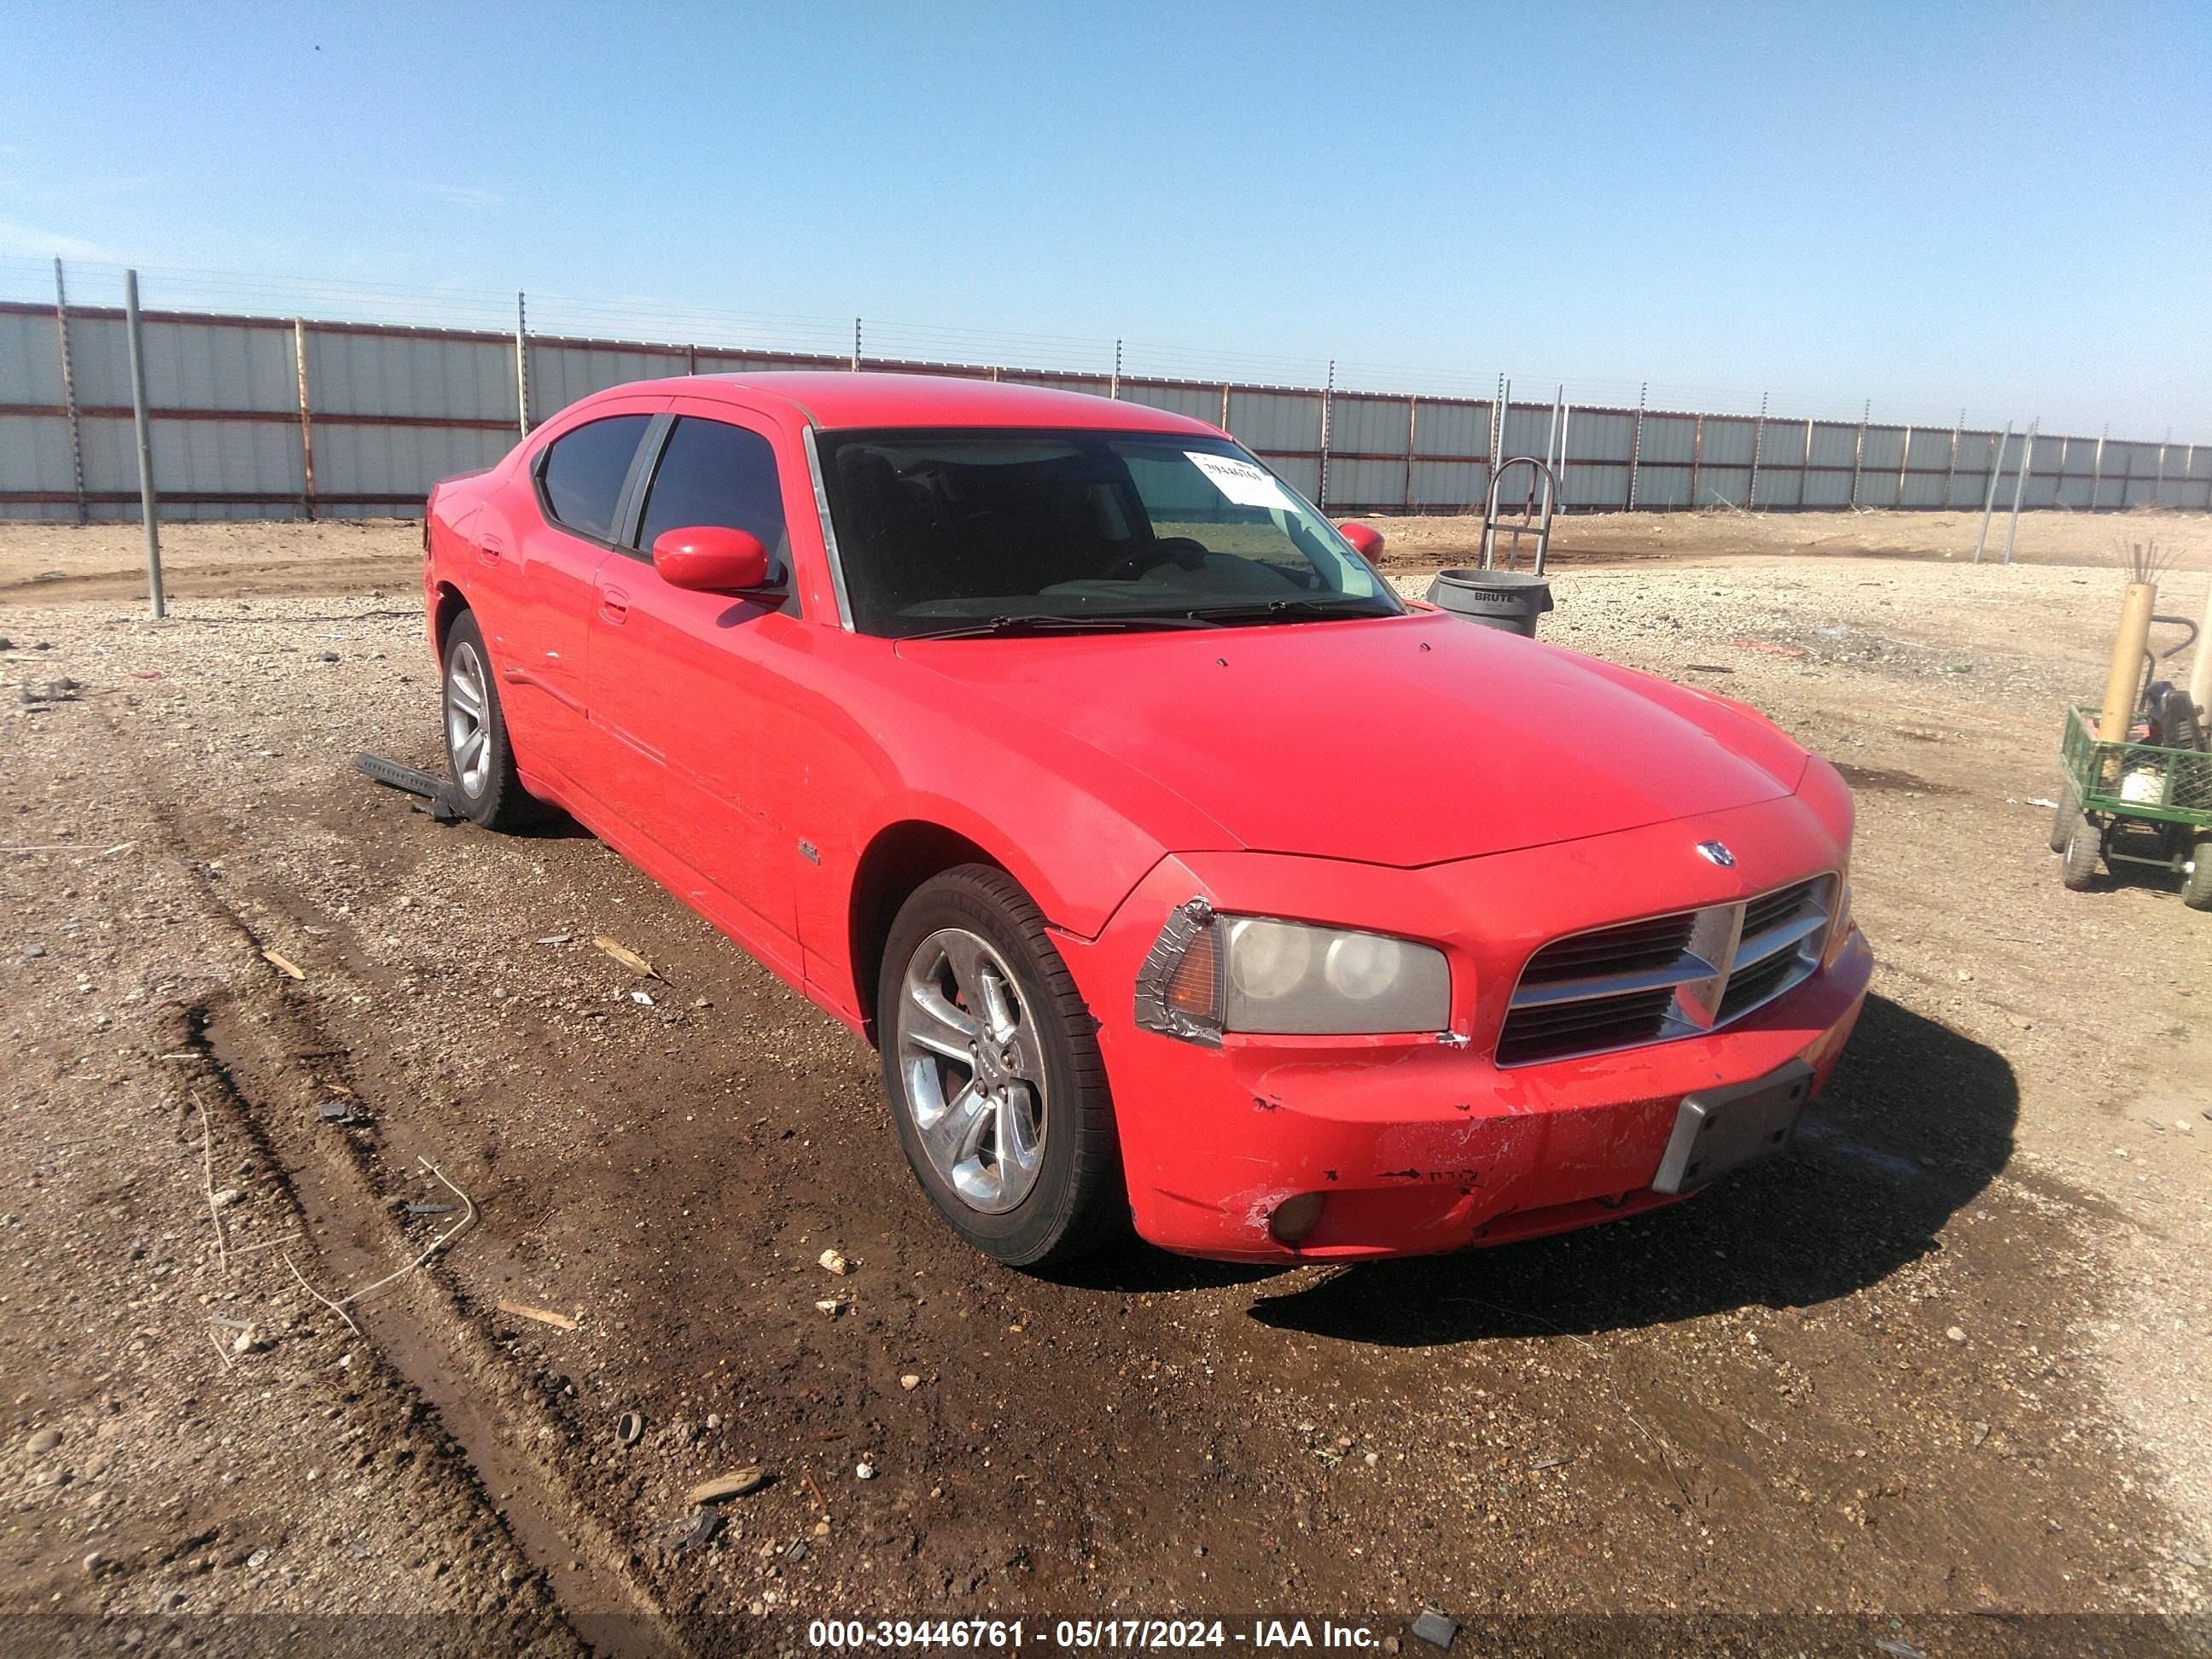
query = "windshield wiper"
x=1270 y=609
x=1045 y=623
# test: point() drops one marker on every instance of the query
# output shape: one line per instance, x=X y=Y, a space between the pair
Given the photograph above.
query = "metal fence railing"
x=257 y=414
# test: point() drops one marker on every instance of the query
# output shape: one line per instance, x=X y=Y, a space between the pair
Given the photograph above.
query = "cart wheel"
x=2083 y=848
x=2197 y=887
x=2063 y=820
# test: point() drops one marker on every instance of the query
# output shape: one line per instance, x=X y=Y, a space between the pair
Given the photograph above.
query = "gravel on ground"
x=1945 y=1357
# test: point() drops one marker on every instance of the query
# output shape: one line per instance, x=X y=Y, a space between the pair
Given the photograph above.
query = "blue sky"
x=2005 y=208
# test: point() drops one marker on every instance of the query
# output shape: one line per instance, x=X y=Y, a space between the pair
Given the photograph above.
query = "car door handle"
x=488 y=549
x=614 y=605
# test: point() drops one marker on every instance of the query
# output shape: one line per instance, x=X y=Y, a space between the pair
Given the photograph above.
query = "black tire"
x=2084 y=848
x=488 y=790
x=2065 y=818
x=1076 y=1200
x=2197 y=886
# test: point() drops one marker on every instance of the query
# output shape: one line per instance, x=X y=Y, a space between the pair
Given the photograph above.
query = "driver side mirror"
x=711 y=559
x=1366 y=540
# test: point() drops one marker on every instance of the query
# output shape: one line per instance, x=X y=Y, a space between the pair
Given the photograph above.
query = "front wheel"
x=2066 y=816
x=2084 y=848
x=991 y=1060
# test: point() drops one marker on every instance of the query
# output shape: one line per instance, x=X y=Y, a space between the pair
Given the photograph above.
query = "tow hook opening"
x=1295 y=1218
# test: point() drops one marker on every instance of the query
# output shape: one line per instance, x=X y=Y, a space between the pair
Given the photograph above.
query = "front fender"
x=1077 y=857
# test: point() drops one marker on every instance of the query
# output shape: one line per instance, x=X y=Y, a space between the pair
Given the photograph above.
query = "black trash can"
x=1510 y=599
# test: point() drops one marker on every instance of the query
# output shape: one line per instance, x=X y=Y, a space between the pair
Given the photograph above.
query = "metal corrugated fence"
x=275 y=417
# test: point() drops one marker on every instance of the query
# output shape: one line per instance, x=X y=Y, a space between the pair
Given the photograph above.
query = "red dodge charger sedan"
x=1183 y=876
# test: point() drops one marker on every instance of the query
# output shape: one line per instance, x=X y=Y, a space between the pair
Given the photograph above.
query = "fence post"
x=1490 y=440
x=2020 y=485
x=69 y=395
x=1758 y=441
x=1951 y=466
x=1858 y=450
x=1113 y=384
x=521 y=366
x=1636 y=443
x=856 y=345
x=147 y=509
x=1412 y=428
x=1551 y=440
x=1225 y=406
x=1990 y=496
x=1328 y=410
x=306 y=424
x=1559 y=478
x=1904 y=461
x=2157 y=489
x=1496 y=440
x=2097 y=468
x=1697 y=458
x=1805 y=465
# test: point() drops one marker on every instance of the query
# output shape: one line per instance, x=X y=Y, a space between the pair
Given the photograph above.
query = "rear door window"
x=714 y=473
x=583 y=472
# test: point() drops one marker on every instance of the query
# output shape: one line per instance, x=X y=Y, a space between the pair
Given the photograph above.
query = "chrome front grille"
x=1657 y=943
x=1666 y=977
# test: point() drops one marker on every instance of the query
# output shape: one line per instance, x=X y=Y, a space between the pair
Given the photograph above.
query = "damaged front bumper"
x=1422 y=1143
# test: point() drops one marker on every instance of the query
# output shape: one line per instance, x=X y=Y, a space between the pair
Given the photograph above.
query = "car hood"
x=1403 y=741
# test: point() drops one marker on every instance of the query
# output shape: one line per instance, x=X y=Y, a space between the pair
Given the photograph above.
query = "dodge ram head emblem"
x=1717 y=852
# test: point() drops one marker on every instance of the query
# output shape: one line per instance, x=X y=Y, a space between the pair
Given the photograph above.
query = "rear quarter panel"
x=448 y=517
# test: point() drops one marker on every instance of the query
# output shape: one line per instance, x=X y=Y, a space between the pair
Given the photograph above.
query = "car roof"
x=832 y=399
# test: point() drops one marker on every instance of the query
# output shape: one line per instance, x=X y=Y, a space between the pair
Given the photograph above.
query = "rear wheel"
x=991 y=1060
x=2196 y=888
x=484 y=784
x=2084 y=848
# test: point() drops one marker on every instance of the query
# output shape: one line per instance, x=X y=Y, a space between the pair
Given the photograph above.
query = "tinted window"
x=936 y=529
x=711 y=473
x=585 y=470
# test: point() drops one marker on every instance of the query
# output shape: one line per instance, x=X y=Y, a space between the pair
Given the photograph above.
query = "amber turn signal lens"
x=1295 y=1217
x=1194 y=987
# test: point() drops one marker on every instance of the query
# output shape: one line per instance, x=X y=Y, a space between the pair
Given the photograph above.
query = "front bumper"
x=1420 y=1144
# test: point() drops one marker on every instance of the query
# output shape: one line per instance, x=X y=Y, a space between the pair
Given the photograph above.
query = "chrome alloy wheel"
x=468 y=719
x=973 y=1071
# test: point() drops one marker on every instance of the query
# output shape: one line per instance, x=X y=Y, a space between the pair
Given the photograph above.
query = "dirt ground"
x=52 y=563
x=2049 y=537
x=1937 y=1378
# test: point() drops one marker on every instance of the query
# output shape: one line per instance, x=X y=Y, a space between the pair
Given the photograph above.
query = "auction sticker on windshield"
x=1241 y=482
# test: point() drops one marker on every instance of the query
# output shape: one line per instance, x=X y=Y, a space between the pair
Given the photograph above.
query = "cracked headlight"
x=1208 y=974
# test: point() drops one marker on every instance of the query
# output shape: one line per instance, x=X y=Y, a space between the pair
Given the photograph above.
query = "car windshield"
x=984 y=532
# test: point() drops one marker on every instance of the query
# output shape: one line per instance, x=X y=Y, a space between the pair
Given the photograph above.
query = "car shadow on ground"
x=1135 y=1268
x=1915 y=1123
x=549 y=823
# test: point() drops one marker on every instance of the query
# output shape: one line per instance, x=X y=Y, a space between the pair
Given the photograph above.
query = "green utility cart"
x=2133 y=803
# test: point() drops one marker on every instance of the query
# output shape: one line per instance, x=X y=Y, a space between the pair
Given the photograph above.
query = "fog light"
x=1294 y=1218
